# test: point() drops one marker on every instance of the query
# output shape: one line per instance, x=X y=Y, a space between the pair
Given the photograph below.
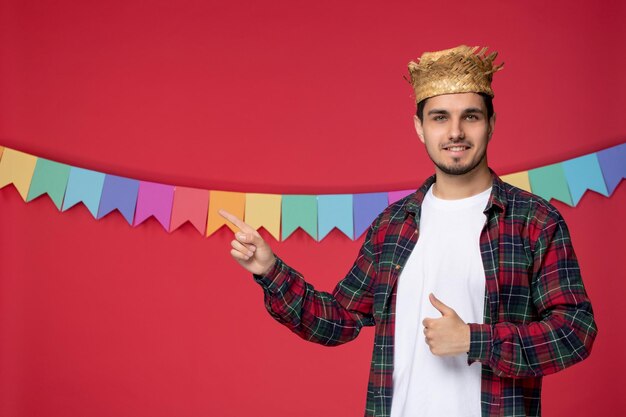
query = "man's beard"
x=458 y=169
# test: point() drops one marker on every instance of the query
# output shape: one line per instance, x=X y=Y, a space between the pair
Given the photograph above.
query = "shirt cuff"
x=480 y=343
x=273 y=279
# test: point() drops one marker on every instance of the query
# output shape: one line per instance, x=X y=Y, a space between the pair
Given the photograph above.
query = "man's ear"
x=492 y=125
x=418 y=128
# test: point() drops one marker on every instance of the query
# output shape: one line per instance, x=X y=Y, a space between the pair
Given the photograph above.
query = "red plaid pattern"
x=537 y=319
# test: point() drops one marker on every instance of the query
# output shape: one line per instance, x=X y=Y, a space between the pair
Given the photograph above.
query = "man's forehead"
x=455 y=102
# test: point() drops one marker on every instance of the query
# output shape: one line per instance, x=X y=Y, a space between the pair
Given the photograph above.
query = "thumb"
x=440 y=306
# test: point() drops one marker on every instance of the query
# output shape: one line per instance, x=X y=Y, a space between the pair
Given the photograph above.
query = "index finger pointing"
x=232 y=218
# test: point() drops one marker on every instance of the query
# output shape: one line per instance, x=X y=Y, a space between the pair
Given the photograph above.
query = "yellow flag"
x=264 y=210
x=17 y=168
x=234 y=203
x=519 y=179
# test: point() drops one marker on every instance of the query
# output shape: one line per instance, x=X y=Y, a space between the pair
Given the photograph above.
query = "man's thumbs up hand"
x=440 y=306
x=448 y=335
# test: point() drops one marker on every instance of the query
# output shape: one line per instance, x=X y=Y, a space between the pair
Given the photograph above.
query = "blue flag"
x=119 y=193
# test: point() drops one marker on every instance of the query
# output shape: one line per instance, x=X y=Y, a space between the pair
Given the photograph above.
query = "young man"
x=472 y=284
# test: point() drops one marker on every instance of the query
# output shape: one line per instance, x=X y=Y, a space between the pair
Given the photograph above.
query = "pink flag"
x=192 y=205
x=397 y=195
x=154 y=200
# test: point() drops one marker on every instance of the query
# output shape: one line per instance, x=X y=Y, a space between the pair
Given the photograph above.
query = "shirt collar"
x=497 y=199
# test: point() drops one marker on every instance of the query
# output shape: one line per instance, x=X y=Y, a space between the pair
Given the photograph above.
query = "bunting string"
x=281 y=215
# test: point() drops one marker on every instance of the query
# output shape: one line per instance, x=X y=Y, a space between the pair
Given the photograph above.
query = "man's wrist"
x=275 y=278
x=270 y=267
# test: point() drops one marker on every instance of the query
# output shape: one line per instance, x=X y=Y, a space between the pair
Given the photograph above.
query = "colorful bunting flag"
x=154 y=199
x=519 y=179
x=49 y=178
x=584 y=174
x=280 y=215
x=234 y=203
x=192 y=205
x=334 y=210
x=17 y=168
x=397 y=195
x=84 y=186
x=613 y=164
x=299 y=211
x=119 y=193
x=366 y=208
x=550 y=182
x=264 y=210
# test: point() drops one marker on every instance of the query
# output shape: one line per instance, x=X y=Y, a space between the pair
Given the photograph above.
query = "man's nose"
x=456 y=130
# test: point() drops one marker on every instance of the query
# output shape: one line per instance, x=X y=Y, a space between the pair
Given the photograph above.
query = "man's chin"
x=457 y=169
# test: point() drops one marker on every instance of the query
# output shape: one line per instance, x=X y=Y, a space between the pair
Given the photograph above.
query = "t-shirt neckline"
x=460 y=203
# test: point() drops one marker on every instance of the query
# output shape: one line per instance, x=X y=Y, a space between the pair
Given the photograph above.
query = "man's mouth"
x=456 y=149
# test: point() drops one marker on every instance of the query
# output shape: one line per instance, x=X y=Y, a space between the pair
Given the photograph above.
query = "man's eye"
x=438 y=118
x=471 y=117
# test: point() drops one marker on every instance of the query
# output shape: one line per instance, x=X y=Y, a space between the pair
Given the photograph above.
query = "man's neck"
x=454 y=187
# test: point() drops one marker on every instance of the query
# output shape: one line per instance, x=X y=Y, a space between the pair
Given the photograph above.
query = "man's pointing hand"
x=248 y=248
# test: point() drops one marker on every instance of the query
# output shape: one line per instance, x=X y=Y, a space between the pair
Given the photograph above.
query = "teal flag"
x=550 y=182
x=84 y=186
x=299 y=211
x=584 y=174
x=49 y=178
x=335 y=210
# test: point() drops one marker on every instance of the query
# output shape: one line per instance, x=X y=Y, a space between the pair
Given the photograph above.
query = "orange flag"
x=232 y=202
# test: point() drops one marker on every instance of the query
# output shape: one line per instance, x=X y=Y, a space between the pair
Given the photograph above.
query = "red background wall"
x=98 y=318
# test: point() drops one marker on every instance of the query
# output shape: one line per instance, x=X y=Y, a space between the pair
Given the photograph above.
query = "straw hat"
x=450 y=71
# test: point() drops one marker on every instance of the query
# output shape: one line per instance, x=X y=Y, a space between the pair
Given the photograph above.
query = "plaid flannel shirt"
x=537 y=317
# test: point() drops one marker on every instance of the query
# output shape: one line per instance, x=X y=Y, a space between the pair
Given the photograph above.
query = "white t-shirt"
x=445 y=261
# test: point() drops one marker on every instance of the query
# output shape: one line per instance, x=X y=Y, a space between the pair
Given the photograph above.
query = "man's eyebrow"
x=438 y=111
x=472 y=110
x=446 y=112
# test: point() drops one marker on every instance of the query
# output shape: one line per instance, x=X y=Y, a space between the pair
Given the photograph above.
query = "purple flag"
x=118 y=193
x=613 y=165
x=366 y=208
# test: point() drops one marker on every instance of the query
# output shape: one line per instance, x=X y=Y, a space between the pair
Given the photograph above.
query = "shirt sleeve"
x=565 y=330
x=321 y=317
